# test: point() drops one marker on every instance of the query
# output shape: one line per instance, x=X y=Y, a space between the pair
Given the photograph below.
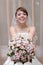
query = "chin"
x=22 y=22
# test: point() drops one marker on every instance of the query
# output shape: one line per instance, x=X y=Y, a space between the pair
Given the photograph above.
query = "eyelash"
x=24 y=14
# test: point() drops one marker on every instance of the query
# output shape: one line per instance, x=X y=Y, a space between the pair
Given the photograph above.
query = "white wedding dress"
x=35 y=61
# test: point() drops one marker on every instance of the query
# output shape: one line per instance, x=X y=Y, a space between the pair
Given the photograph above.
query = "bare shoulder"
x=32 y=31
x=32 y=28
x=12 y=29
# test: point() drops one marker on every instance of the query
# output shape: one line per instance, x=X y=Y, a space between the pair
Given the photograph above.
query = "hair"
x=21 y=9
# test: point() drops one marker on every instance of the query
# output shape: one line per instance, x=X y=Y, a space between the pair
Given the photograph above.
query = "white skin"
x=21 y=19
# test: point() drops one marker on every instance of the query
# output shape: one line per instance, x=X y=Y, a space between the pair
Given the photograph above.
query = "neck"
x=21 y=25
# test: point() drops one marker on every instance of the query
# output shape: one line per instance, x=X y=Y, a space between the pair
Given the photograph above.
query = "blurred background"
x=7 y=10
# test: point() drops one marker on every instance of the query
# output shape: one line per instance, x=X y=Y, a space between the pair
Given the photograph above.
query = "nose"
x=22 y=15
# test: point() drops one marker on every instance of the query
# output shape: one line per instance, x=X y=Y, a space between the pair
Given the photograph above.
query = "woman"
x=21 y=28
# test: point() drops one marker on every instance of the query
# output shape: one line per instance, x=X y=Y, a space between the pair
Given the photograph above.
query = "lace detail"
x=25 y=35
x=20 y=34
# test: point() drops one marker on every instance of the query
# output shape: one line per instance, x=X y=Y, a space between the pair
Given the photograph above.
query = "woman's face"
x=21 y=17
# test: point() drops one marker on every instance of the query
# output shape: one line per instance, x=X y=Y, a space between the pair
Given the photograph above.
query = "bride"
x=21 y=28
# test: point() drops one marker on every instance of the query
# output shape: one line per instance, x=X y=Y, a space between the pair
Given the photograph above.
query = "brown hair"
x=21 y=9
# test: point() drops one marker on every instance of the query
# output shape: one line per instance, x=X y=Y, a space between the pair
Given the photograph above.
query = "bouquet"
x=21 y=50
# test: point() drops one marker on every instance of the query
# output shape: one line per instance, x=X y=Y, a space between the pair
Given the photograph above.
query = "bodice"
x=25 y=35
x=22 y=34
x=21 y=37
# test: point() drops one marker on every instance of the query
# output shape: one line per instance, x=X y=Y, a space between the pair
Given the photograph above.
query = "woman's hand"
x=32 y=49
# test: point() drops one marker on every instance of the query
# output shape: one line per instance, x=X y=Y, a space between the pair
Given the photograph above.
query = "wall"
x=13 y=4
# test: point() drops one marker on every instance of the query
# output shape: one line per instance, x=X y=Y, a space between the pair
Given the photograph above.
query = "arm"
x=32 y=32
x=12 y=32
x=31 y=35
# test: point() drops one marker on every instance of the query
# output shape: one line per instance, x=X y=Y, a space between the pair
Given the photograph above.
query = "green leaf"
x=31 y=60
x=8 y=54
x=12 y=54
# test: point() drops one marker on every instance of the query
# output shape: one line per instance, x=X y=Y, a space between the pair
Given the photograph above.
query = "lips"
x=22 y=19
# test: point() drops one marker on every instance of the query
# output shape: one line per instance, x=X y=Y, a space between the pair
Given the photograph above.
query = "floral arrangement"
x=21 y=49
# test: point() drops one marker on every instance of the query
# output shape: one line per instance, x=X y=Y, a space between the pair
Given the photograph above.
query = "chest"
x=22 y=30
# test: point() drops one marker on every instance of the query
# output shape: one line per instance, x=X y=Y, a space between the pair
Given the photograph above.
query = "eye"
x=19 y=14
x=24 y=13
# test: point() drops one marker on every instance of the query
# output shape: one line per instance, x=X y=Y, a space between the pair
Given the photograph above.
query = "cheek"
x=17 y=18
x=26 y=18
